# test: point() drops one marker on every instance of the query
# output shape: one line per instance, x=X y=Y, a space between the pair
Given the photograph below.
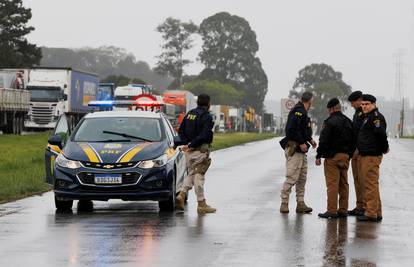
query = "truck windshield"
x=44 y=94
x=117 y=129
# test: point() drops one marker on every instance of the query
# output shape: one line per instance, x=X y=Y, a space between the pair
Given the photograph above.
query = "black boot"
x=328 y=215
x=356 y=212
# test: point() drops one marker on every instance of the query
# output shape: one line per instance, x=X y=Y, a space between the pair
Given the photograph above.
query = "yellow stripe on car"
x=170 y=152
x=131 y=154
x=90 y=153
x=54 y=148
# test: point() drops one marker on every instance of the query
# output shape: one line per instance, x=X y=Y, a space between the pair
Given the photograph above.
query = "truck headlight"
x=67 y=163
x=154 y=163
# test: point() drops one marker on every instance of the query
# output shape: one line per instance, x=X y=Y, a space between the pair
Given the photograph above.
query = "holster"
x=291 y=148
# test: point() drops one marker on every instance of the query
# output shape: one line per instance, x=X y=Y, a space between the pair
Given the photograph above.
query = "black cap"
x=369 y=98
x=332 y=103
x=354 y=96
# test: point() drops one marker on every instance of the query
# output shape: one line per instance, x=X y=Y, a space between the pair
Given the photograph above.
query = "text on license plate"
x=108 y=179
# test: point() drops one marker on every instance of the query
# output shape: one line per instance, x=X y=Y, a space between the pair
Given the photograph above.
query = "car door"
x=180 y=159
x=62 y=128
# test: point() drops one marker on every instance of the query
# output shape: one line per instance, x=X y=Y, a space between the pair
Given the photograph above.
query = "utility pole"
x=399 y=86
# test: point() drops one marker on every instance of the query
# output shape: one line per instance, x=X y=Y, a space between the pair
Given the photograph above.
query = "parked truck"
x=14 y=100
x=57 y=91
x=183 y=101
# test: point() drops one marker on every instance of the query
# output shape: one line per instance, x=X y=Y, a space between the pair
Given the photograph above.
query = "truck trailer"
x=57 y=91
x=14 y=100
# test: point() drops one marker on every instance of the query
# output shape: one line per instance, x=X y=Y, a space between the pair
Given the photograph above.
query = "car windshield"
x=114 y=129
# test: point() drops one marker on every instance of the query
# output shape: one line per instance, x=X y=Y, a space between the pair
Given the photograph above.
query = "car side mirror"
x=55 y=140
x=178 y=141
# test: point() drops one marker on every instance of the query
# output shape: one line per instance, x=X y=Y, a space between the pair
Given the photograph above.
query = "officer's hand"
x=318 y=162
x=185 y=148
x=304 y=148
x=313 y=143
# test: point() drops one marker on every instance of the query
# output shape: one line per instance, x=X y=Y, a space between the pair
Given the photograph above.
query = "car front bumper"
x=154 y=184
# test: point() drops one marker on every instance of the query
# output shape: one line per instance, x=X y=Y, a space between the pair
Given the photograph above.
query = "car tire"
x=169 y=205
x=63 y=205
x=85 y=205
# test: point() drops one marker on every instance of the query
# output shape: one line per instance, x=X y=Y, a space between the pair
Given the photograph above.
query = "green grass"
x=22 y=167
x=233 y=139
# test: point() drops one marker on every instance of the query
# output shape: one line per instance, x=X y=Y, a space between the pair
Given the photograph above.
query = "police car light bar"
x=102 y=103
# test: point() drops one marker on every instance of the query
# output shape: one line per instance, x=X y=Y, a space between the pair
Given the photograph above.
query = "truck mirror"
x=65 y=97
x=55 y=140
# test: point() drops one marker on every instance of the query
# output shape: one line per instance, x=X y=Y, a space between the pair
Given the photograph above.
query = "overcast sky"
x=356 y=37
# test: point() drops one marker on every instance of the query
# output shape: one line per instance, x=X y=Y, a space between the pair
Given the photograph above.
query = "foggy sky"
x=357 y=38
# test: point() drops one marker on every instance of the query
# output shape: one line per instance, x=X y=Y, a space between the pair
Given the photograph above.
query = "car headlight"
x=67 y=163
x=154 y=163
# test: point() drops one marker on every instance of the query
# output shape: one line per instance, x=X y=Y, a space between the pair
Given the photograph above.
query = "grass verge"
x=22 y=168
x=233 y=139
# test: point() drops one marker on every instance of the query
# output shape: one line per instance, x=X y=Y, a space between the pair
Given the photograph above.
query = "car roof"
x=128 y=114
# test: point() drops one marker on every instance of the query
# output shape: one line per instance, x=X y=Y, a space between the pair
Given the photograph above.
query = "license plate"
x=108 y=179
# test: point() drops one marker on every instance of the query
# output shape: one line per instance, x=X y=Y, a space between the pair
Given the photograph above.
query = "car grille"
x=104 y=166
x=42 y=115
x=129 y=178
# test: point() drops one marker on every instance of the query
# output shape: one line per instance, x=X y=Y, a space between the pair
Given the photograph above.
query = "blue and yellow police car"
x=128 y=155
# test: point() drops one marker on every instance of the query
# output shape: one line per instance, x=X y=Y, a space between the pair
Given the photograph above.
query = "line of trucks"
x=35 y=98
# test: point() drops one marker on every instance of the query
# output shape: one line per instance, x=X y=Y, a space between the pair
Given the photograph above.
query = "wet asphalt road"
x=244 y=184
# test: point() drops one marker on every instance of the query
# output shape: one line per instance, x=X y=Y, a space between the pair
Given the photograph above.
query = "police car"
x=128 y=155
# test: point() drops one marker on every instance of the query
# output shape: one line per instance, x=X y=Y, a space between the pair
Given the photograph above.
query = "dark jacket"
x=372 y=137
x=357 y=121
x=337 y=136
x=298 y=127
x=197 y=128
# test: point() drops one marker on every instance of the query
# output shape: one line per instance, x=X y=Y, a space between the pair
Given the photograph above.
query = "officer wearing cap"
x=372 y=144
x=336 y=145
x=356 y=98
x=196 y=130
x=296 y=144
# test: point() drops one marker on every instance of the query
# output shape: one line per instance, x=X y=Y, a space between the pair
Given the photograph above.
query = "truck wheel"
x=169 y=205
x=63 y=205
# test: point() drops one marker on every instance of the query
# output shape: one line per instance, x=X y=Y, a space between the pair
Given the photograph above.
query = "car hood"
x=114 y=152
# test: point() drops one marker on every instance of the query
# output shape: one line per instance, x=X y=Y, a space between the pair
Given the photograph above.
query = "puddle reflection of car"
x=128 y=155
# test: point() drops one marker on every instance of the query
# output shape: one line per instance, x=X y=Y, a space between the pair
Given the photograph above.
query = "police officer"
x=356 y=98
x=336 y=145
x=296 y=144
x=372 y=144
x=196 y=130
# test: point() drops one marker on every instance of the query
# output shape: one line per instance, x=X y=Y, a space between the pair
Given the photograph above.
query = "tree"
x=317 y=73
x=323 y=91
x=121 y=80
x=229 y=54
x=15 y=50
x=105 y=61
x=220 y=94
x=325 y=83
x=178 y=39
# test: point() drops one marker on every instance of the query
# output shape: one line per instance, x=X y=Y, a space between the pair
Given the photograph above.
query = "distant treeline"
x=104 y=61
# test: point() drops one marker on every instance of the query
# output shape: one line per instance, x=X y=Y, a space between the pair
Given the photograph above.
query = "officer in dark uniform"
x=356 y=99
x=372 y=144
x=296 y=144
x=336 y=145
x=196 y=131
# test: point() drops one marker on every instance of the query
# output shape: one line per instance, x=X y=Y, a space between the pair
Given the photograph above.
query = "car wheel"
x=169 y=205
x=85 y=205
x=63 y=205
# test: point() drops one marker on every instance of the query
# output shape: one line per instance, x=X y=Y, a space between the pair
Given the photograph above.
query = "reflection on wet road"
x=244 y=184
